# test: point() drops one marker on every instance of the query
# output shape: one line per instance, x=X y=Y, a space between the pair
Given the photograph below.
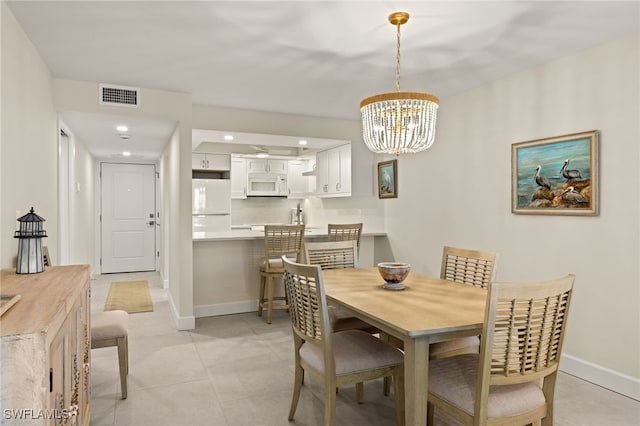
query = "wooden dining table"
x=428 y=310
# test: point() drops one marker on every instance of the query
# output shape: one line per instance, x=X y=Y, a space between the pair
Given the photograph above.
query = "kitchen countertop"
x=244 y=233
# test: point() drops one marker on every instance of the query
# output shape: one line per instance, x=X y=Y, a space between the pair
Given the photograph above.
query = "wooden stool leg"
x=269 y=299
x=123 y=360
x=261 y=298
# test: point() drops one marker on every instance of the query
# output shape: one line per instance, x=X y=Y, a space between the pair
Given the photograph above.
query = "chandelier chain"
x=398 y=59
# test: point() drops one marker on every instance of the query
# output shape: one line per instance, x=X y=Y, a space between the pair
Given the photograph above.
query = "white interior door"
x=128 y=217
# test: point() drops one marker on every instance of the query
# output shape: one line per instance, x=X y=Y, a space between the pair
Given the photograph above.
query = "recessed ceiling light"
x=302 y=142
x=126 y=153
x=122 y=128
x=228 y=137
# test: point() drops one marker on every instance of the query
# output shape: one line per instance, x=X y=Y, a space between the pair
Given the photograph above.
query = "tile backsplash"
x=262 y=210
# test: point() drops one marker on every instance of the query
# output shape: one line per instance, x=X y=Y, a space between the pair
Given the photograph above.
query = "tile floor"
x=236 y=370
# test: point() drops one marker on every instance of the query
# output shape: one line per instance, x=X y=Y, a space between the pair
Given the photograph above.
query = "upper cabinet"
x=263 y=165
x=333 y=172
x=299 y=184
x=238 y=178
x=207 y=161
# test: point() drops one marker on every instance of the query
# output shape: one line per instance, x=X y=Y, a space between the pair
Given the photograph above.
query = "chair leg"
x=261 y=295
x=123 y=360
x=386 y=385
x=430 y=413
x=269 y=299
x=299 y=377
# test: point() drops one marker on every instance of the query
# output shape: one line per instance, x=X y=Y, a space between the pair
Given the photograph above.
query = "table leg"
x=416 y=367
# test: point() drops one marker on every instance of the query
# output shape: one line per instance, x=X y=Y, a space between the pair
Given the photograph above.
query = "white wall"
x=458 y=193
x=29 y=141
x=83 y=201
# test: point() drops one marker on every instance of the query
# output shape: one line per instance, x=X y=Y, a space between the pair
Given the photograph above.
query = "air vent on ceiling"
x=119 y=95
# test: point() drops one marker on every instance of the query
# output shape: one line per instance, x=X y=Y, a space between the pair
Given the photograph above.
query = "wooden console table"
x=46 y=347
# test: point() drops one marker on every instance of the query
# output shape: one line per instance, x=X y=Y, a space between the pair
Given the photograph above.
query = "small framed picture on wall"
x=388 y=179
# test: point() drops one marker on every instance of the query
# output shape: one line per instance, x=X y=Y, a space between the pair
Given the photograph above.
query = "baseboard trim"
x=225 y=308
x=601 y=376
x=181 y=323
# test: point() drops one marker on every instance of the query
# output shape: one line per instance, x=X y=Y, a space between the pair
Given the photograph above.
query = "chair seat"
x=454 y=379
x=275 y=266
x=341 y=320
x=109 y=325
x=436 y=349
x=354 y=351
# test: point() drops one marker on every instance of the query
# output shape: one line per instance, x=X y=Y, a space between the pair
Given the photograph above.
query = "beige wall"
x=458 y=193
x=29 y=142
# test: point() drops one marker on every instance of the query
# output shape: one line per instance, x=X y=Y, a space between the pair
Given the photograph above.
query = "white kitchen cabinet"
x=264 y=165
x=333 y=170
x=238 y=178
x=298 y=184
x=207 y=161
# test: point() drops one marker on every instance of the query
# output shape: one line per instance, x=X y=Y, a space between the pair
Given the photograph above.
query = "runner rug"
x=130 y=296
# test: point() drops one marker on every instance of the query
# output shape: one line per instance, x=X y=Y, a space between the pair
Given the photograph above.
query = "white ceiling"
x=318 y=58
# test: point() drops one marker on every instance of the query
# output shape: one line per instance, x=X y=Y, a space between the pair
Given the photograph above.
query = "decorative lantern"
x=30 y=258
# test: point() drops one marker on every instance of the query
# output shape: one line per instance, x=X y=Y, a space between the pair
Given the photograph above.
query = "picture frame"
x=556 y=175
x=388 y=179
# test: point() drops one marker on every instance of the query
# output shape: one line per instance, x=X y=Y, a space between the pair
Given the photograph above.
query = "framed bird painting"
x=388 y=179
x=556 y=176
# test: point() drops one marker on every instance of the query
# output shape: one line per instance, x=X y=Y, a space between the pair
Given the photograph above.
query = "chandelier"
x=399 y=122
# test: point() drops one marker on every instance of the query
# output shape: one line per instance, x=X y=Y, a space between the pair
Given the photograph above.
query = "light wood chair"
x=465 y=266
x=279 y=240
x=345 y=232
x=111 y=328
x=333 y=359
x=512 y=380
x=338 y=255
x=471 y=267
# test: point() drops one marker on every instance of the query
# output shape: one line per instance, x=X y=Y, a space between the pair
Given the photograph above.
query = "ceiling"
x=317 y=58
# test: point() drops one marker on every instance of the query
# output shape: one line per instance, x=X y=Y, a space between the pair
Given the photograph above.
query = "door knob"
x=151 y=223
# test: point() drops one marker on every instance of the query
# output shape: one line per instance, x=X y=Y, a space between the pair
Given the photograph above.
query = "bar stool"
x=111 y=328
x=279 y=240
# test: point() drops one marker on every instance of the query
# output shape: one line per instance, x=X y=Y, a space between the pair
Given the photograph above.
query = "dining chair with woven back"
x=333 y=359
x=345 y=232
x=472 y=267
x=512 y=380
x=279 y=240
x=338 y=255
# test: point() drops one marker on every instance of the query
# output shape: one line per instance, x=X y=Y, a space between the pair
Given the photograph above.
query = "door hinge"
x=51 y=380
x=100 y=261
x=158 y=253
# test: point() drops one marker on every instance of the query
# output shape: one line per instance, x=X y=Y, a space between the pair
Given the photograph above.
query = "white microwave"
x=266 y=185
